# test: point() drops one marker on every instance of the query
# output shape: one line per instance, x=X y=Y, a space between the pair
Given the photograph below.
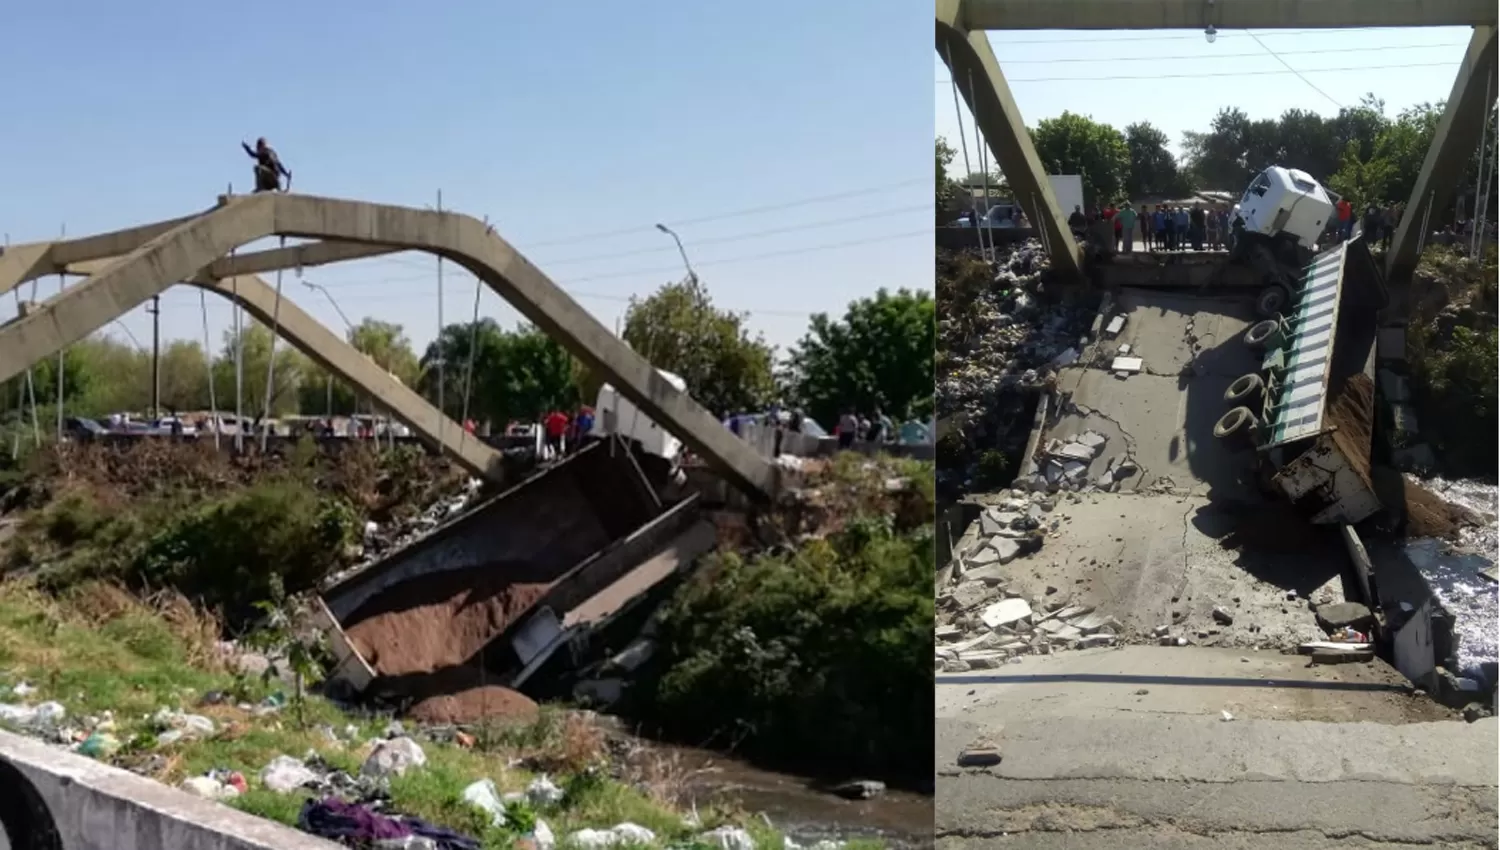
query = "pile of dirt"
x=442 y=620
x=1428 y=515
x=1352 y=413
x=474 y=705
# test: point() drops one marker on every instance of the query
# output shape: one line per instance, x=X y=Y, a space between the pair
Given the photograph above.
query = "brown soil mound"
x=475 y=705
x=1427 y=515
x=444 y=620
x=1352 y=412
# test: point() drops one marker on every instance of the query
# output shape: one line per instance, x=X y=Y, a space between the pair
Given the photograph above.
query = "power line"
x=762 y=256
x=1288 y=66
x=718 y=240
x=747 y=211
x=1218 y=56
x=671 y=269
x=1184 y=36
x=1113 y=77
x=597 y=296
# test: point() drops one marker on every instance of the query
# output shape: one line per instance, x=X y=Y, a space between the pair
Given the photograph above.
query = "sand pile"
x=443 y=620
x=1352 y=412
x=473 y=705
x=1429 y=515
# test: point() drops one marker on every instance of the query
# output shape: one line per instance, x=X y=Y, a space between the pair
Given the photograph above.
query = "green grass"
x=98 y=648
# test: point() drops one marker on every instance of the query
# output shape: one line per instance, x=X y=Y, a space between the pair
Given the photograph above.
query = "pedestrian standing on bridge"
x=1346 y=218
x=1078 y=222
x=268 y=167
x=1126 y=218
x=1197 y=226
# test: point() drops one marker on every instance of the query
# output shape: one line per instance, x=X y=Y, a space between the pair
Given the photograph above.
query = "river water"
x=796 y=805
x=1453 y=571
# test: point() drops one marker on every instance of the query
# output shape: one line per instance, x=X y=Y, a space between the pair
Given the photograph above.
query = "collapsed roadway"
x=1113 y=632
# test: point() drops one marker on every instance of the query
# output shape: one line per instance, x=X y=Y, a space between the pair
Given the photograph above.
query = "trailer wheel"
x=1237 y=426
x=1245 y=390
x=1271 y=301
x=1260 y=333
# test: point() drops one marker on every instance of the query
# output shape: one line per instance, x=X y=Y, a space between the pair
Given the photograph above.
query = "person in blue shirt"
x=1159 y=227
x=1180 y=218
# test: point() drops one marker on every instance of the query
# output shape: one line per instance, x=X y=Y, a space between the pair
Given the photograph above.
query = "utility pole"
x=155 y=311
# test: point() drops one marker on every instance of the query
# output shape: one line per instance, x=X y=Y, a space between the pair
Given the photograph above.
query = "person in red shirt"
x=1346 y=219
x=556 y=425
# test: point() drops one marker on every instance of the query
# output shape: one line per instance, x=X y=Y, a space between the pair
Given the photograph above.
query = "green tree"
x=880 y=354
x=1153 y=169
x=679 y=329
x=518 y=375
x=287 y=379
x=1362 y=181
x=946 y=192
x=448 y=358
x=387 y=344
x=184 y=376
x=1076 y=144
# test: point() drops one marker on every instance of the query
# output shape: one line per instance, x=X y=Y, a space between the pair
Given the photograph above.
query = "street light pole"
x=692 y=275
x=348 y=325
x=155 y=311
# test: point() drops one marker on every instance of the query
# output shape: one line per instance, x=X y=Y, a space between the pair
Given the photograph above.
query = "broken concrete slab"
x=1093 y=441
x=1006 y=611
x=1092 y=622
x=1128 y=365
x=1074 y=452
x=1115 y=325
x=984 y=557
x=1345 y=614
x=1341 y=656
x=1006 y=549
x=1312 y=646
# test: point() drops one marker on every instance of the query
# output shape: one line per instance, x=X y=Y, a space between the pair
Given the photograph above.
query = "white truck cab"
x=615 y=414
x=1289 y=204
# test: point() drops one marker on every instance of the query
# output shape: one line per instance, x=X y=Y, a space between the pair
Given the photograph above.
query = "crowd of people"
x=1163 y=227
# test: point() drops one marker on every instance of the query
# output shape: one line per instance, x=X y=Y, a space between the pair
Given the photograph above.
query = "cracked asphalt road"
x=1123 y=748
x=1164 y=417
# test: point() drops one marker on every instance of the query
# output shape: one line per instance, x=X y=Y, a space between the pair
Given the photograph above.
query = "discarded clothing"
x=352 y=822
x=335 y=819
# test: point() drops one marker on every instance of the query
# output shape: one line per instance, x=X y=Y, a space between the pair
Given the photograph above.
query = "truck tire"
x=1260 y=334
x=1245 y=390
x=1237 y=427
x=1271 y=301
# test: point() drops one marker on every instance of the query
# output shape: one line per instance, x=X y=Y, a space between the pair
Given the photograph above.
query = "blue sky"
x=574 y=127
x=1402 y=66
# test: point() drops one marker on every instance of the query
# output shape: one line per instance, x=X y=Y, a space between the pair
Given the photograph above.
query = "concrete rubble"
x=1005 y=339
x=981 y=624
x=380 y=541
x=1007 y=592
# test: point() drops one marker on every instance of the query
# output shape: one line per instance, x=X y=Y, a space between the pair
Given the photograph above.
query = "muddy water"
x=795 y=806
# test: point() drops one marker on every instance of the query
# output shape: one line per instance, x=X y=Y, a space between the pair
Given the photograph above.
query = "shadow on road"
x=1188 y=681
x=1274 y=544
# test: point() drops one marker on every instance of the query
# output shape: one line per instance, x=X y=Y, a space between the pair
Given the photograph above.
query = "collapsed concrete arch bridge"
x=126 y=268
x=962 y=42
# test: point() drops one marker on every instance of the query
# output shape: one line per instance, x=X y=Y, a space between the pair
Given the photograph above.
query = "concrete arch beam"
x=181 y=251
x=1457 y=135
x=968 y=55
x=1224 y=14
